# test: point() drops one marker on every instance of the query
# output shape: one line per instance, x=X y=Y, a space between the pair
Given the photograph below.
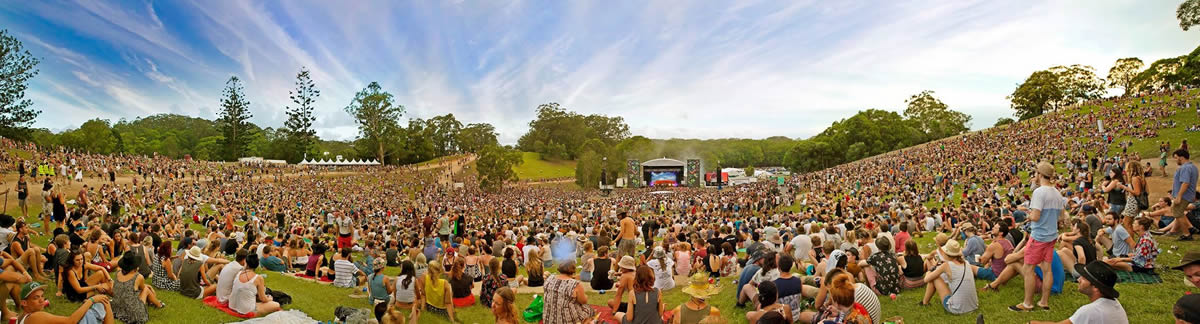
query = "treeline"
x=232 y=135
x=599 y=142
x=1062 y=86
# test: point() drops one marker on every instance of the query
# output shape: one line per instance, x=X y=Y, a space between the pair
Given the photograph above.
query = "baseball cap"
x=30 y=287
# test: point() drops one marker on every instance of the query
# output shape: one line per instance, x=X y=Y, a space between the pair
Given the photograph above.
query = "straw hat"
x=699 y=287
x=941 y=239
x=627 y=262
x=952 y=248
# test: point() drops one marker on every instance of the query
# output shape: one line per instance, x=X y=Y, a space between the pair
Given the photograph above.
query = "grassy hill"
x=534 y=168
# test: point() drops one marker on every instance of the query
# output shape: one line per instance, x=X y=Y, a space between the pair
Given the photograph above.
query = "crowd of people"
x=1054 y=192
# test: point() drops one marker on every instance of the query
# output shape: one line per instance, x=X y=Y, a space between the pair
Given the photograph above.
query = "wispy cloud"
x=672 y=69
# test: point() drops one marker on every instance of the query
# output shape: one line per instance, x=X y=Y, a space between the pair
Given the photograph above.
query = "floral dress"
x=490 y=284
x=1145 y=252
x=887 y=278
x=160 y=279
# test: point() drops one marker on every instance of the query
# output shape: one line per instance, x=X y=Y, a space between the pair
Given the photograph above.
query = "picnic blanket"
x=212 y=302
x=282 y=317
x=304 y=276
x=605 y=315
x=1133 y=277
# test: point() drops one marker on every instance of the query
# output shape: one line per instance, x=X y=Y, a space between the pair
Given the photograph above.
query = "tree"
x=1160 y=74
x=934 y=118
x=234 y=120
x=1055 y=88
x=474 y=137
x=444 y=130
x=495 y=166
x=299 y=126
x=750 y=171
x=377 y=116
x=1004 y=121
x=17 y=66
x=1122 y=73
x=1188 y=14
x=94 y=136
x=559 y=134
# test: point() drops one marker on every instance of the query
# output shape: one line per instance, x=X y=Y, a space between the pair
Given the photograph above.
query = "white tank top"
x=243 y=296
x=402 y=294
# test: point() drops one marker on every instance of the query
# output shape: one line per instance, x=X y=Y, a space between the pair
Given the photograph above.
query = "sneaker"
x=1186 y=238
x=1158 y=232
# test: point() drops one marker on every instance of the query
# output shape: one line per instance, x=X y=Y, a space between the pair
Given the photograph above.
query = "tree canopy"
x=234 y=121
x=377 y=116
x=17 y=67
x=1055 y=88
x=560 y=134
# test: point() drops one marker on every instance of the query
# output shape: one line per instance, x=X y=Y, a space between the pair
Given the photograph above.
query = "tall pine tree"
x=301 y=135
x=234 y=120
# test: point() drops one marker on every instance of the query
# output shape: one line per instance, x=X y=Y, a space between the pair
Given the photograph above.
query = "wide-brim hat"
x=1188 y=259
x=699 y=287
x=1101 y=276
x=195 y=253
x=952 y=248
x=627 y=262
x=1045 y=169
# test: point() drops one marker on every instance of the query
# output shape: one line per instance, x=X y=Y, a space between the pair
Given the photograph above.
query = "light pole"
x=603 y=174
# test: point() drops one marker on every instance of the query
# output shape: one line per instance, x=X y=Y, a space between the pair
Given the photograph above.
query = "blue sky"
x=695 y=69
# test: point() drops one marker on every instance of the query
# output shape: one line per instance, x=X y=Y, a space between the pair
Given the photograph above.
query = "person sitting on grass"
x=437 y=292
x=95 y=310
x=405 y=292
x=913 y=266
x=78 y=285
x=949 y=279
x=644 y=301
x=503 y=309
x=249 y=293
x=345 y=273
x=1097 y=281
x=461 y=283
x=565 y=300
x=130 y=292
x=1077 y=246
x=767 y=300
x=697 y=308
x=1141 y=258
x=272 y=261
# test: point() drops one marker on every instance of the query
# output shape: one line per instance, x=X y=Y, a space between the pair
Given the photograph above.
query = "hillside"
x=535 y=168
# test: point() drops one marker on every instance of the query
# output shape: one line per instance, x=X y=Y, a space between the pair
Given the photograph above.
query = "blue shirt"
x=1186 y=173
x=747 y=274
x=1120 y=247
x=1051 y=203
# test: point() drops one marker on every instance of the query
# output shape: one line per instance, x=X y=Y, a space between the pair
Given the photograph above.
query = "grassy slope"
x=535 y=168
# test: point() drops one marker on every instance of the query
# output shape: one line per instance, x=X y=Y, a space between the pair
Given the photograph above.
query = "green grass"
x=534 y=168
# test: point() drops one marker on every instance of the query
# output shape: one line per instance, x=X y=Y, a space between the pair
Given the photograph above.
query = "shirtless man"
x=626 y=243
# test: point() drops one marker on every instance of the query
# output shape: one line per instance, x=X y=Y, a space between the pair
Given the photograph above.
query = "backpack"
x=280 y=297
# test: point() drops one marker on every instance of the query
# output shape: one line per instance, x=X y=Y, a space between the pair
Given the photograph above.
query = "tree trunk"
x=379 y=155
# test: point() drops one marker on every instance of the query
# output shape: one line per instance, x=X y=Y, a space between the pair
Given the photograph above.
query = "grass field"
x=534 y=168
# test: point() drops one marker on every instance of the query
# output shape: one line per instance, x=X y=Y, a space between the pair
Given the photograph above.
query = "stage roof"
x=663 y=162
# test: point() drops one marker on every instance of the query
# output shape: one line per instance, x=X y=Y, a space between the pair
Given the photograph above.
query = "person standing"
x=1096 y=281
x=1183 y=193
x=1046 y=205
x=22 y=194
x=626 y=243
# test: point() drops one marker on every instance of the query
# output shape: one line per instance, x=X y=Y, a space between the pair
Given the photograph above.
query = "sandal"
x=1020 y=308
x=988 y=287
x=1045 y=308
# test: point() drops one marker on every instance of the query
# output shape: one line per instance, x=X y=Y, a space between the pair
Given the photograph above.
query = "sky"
x=672 y=69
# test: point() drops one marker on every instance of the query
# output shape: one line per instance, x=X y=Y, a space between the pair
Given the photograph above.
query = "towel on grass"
x=212 y=301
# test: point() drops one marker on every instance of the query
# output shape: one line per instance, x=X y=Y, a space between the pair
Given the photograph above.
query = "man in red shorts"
x=1045 y=207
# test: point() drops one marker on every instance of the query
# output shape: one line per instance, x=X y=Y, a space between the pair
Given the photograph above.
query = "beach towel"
x=282 y=317
x=212 y=302
x=322 y=279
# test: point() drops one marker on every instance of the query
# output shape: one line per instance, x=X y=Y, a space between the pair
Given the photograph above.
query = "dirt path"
x=1158 y=184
